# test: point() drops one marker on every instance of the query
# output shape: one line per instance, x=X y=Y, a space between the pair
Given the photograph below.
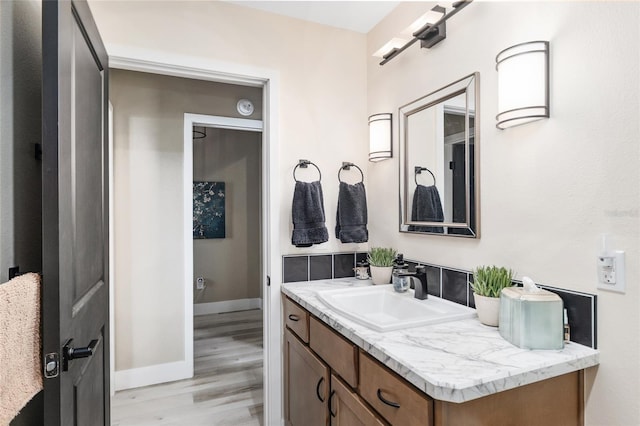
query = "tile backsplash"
x=449 y=283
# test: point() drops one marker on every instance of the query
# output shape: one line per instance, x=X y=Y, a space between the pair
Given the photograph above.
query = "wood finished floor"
x=226 y=388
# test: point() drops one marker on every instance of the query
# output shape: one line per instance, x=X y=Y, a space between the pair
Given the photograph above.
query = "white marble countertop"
x=455 y=361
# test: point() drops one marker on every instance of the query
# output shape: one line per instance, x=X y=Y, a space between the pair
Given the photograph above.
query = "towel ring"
x=419 y=170
x=303 y=164
x=347 y=166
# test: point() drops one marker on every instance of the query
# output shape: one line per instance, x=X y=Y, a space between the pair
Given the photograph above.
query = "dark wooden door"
x=74 y=211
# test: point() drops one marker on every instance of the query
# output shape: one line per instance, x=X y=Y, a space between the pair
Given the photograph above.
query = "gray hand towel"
x=426 y=208
x=308 y=215
x=351 y=216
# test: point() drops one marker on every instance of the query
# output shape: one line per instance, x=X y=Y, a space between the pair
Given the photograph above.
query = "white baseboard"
x=226 y=306
x=154 y=374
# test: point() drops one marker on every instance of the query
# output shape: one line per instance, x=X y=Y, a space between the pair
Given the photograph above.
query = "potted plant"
x=381 y=264
x=488 y=282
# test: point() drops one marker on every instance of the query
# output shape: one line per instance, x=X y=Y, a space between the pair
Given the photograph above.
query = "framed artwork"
x=208 y=210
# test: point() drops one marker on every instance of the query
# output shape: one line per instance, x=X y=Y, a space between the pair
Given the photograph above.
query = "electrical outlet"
x=611 y=271
x=200 y=284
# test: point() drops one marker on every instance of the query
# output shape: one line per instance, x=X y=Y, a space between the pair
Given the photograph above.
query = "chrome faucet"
x=421 y=288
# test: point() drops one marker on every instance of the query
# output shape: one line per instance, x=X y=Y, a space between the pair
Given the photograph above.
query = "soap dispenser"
x=400 y=267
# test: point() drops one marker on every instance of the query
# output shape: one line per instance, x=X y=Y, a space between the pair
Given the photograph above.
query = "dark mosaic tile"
x=454 y=286
x=472 y=300
x=581 y=310
x=361 y=257
x=320 y=267
x=343 y=265
x=295 y=268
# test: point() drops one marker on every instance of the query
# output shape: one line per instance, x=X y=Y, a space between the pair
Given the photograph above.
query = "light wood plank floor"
x=226 y=388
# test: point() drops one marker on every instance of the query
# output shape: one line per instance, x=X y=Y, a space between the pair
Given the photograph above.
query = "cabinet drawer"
x=338 y=352
x=395 y=399
x=296 y=319
x=348 y=409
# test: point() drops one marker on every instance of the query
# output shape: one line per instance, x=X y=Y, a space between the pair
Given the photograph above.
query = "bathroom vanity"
x=339 y=372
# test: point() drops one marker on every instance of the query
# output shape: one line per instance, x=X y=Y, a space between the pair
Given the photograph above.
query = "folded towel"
x=426 y=208
x=351 y=216
x=20 y=371
x=308 y=215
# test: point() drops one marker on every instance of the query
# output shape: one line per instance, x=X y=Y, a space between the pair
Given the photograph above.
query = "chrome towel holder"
x=303 y=164
x=347 y=166
x=419 y=170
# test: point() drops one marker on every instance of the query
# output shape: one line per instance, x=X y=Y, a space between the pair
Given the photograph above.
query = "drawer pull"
x=331 y=403
x=318 y=389
x=293 y=317
x=386 y=401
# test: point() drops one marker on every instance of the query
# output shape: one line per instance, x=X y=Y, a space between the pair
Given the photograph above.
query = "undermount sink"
x=382 y=309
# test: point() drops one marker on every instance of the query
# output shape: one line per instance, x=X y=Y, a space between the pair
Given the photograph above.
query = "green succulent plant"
x=380 y=256
x=490 y=280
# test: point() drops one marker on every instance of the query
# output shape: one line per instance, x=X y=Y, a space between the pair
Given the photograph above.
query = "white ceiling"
x=360 y=16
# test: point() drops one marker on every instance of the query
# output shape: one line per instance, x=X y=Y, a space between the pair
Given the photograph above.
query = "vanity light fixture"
x=430 y=29
x=380 y=137
x=390 y=47
x=523 y=84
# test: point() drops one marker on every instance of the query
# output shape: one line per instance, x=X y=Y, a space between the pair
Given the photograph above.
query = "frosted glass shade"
x=523 y=84
x=380 y=137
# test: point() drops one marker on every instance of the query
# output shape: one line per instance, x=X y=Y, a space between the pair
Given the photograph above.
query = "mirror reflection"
x=438 y=139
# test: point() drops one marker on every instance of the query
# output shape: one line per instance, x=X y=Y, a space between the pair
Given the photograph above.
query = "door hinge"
x=51 y=365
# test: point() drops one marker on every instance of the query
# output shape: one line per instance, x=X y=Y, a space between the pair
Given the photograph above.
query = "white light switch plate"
x=611 y=271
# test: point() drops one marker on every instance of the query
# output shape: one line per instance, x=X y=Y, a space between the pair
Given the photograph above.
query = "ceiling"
x=359 y=16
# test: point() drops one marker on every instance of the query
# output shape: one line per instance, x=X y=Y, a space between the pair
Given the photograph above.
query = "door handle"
x=69 y=353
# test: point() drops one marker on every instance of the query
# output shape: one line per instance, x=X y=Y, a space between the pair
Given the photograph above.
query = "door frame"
x=216 y=122
x=198 y=68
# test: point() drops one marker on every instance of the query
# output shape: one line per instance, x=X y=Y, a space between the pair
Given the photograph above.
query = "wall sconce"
x=380 y=137
x=523 y=83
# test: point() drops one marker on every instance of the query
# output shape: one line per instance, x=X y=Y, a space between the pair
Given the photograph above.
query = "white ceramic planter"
x=488 y=309
x=381 y=274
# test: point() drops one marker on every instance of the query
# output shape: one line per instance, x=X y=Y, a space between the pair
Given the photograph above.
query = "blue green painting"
x=208 y=210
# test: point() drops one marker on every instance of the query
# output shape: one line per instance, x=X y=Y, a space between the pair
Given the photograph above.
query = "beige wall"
x=230 y=265
x=322 y=72
x=148 y=195
x=549 y=188
x=322 y=117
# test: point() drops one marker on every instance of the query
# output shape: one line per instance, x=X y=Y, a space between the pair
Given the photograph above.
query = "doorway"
x=270 y=275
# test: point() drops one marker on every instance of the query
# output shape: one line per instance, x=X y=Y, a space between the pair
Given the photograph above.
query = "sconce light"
x=523 y=83
x=380 y=137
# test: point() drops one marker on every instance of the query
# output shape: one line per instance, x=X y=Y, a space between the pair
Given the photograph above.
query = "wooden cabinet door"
x=347 y=409
x=306 y=385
